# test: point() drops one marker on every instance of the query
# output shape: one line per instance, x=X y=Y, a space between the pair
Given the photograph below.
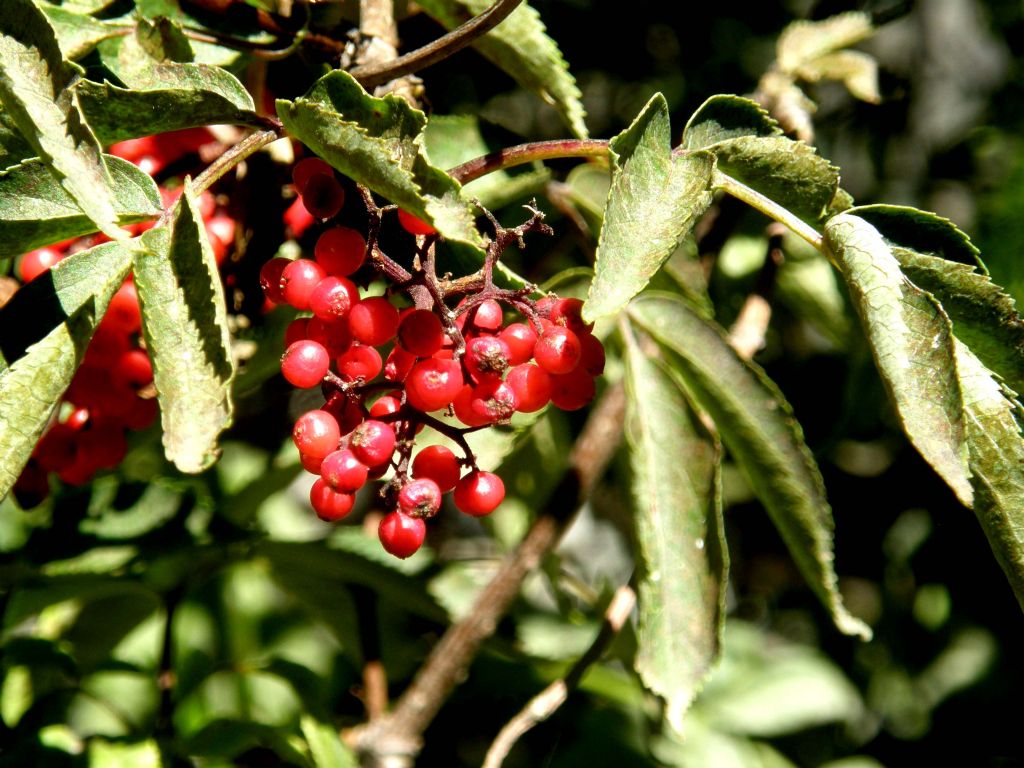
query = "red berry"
x=373 y=321
x=32 y=487
x=487 y=357
x=328 y=504
x=413 y=225
x=306 y=169
x=342 y=471
x=143 y=413
x=385 y=406
x=298 y=280
x=592 y=357
x=373 y=442
x=323 y=196
x=571 y=391
x=270 y=279
x=360 y=362
x=134 y=367
x=305 y=363
x=420 y=333
x=34 y=263
x=108 y=344
x=401 y=535
x=124 y=311
x=479 y=493
x=221 y=233
x=521 y=339
x=532 y=387
x=419 y=498
x=349 y=413
x=493 y=400
x=296 y=331
x=569 y=314
x=335 y=337
x=433 y=383
x=57 y=448
x=558 y=350
x=316 y=433
x=340 y=251
x=311 y=463
x=333 y=298
x=439 y=464
x=464 y=411
x=487 y=316
x=104 y=444
x=398 y=364
x=297 y=219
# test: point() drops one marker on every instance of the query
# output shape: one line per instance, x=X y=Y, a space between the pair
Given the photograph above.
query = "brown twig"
x=527 y=153
x=547 y=702
x=378 y=73
x=396 y=739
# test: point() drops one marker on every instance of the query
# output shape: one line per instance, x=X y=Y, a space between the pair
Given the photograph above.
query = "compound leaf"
x=184 y=319
x=654 y=201
x=34 y=211
x=35 y=87
x=679 y=529
x=379 y=143
x=911 y=340
x=521 y=47
x=757 y=426
x=44 y=330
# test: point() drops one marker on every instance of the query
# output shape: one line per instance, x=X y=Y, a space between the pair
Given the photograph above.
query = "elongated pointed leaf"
x=185 y=323
x=34 y=211
x=679 y=529
x=14 y=148
x=725 y=117
x=757 y=426
x=35 y=90
x=804 y=41
x=378 y=143
x=911 y=340
x=78 y=33
x=654 y=201
x=44 y=330
x=325 y=745
x=521 y=47
x=996 y=447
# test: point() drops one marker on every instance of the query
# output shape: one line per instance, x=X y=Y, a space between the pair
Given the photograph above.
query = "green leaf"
x=44 y=330
x=727 y=117
x=654 y=201
x=921 y=231
x=14 y=149
x=789 y=172
x=911 y=340
x=78 y=33
x=996 y=448
x=757 y=425
x=804 y=41
x=520 y=46
x=453 y=139
x=679 y=529
x=184 y=319
x=34 y=211
x=35 y=89
x=326 y=746
x=379 y=143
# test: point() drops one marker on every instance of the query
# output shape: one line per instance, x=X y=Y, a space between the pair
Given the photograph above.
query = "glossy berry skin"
x=413 y=225
x=479 y=493
x=333 y=298
x=35 y=263
x=296 y=331
x=134 y=367
x=558 y=350
x=493 y=401
x=532 y=387
x=569 y=314
x=306 y=169
x=334 y=336
x=401 y=535
x=373 y=321
x=487 y=316
x=316 y=433
x=420 y=333
x=464 y=410
x=438 y=464
x=323 y=196
x=571 y=391
x=592 y=356
x=311 y=464
x=373 y=442
x=419 y=498
x=340 y=251
x=385 y=406
x=342 y=471
x=330 y=505
x=398 y=364
x=305 y=363
x=270 y=279
x=433 y=383
x=360 y=362
x=298 y=281
x=123 y=310
x=520 y=339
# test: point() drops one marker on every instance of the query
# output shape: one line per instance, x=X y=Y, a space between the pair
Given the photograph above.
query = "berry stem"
x=236 y=154
x=527 y=153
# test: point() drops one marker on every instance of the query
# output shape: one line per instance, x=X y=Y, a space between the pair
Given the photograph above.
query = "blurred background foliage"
x=152 y=618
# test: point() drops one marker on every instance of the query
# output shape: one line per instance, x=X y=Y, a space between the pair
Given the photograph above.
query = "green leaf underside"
x=679 y=529
x=654 y=201
x=789 y=172
x=521 y=47
x=78 y=33
x=921 y=231
x=996 y=448
x=35 y=212
x=757 y=425
x=378 y=143
x=61 y=308
x=34 y=88
x=14 y=148
x=727 y=117
x=911 y=340
x=184 y=319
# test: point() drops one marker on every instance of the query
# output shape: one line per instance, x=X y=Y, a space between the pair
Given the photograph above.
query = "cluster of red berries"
x=385 y=369
x=111 y=392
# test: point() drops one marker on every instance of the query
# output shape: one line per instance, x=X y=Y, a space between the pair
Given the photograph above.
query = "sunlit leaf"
x=911 y=340
x=804 y=41
x=654 y=201
x=757 y=426
x=727 y=117
x=78 y=33
x=184 y=319
x=521 y=47
x=327 y=748
x=679 y=529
